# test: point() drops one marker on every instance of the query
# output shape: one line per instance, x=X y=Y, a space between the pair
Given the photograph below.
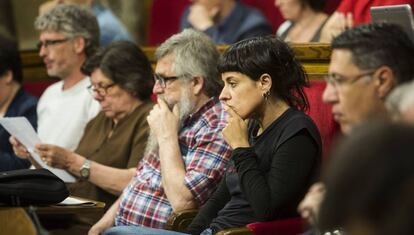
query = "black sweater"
x=267 y=180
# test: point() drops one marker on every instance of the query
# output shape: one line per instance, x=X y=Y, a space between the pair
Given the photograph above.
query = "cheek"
x=247 y=104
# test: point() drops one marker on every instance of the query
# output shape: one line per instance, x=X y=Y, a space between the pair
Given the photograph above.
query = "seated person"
x=225 y=21
x=351 y=13
x=186 y=154
x=276 y=156
x=304 y=20
x=362 y=73
x=111 y=28
x=14 y=102
x=370 y=182
x=114 y=141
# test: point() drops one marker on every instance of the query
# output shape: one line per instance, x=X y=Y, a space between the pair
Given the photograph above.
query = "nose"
x=42 y=51
x=224 y=95
x=157 y=89
x=330 y=94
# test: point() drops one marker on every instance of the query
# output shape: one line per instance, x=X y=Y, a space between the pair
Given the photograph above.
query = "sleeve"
x=210 y=210
x=345 y=6
x=290 y=169
x=139 y=142
x=205 y=163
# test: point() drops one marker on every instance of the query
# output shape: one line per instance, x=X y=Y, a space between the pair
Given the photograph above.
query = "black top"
x=267 y=180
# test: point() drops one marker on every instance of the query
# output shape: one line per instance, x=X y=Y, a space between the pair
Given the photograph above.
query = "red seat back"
x=292 y=226
x=37 y=88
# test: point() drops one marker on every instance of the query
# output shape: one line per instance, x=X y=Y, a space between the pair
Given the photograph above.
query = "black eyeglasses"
x=100 y=90
x=47 y=43
x=337 y=80
x=163 y=80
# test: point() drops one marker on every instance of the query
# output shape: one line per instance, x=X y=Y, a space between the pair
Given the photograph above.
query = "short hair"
x=378 y=44
x=256 y=56
x=10 y=59
x=195 y=55
x=371 y=180
x=316 y=5
x=72 y=21
x=126 y=65
x=400 y=99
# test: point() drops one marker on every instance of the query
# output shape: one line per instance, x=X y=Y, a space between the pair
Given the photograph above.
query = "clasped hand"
x=163 y=122
x=235 y=132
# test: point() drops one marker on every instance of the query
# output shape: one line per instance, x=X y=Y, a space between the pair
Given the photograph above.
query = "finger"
x=349 y=20
x=161 y=102
x=232 y=113
x=176 y=110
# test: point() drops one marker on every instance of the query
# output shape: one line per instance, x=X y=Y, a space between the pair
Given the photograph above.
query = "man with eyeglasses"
x=68 y=35
x=186 y=154
x=367 y=62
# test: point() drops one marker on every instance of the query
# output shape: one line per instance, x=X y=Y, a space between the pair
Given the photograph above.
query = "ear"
x=8 y=77
x=385 y=82
x=197 y=84
x=79 y=44
x=265 y=82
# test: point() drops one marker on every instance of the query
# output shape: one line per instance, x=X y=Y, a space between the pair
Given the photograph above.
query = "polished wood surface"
x=313 y=56
x=15 y=220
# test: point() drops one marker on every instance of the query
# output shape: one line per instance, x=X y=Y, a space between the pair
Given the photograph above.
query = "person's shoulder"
x=52 y=89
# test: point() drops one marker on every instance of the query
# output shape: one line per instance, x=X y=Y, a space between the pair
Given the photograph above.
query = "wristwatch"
x=85 y=169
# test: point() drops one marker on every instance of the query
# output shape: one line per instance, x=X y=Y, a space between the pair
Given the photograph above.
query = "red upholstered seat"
x=292 y=226
x=37 y=88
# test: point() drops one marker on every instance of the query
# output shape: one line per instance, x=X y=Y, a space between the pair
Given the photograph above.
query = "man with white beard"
x=186 y=154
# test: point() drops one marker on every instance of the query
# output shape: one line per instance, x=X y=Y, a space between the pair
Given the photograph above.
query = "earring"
x=266 y=95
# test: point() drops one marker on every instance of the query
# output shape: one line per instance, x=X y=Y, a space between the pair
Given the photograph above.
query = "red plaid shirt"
x=205 y=155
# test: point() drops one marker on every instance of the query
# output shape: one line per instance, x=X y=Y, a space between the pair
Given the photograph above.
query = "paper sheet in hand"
x=20 y=128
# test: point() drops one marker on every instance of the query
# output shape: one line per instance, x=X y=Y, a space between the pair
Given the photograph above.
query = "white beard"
x=184 y=105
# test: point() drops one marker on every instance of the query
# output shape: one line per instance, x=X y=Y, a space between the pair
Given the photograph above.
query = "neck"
x=271 y=111
x=14 y=87
x=226 y=8
x=135 y=103
x=307 y=17
x=202 y=100
x=74 y=77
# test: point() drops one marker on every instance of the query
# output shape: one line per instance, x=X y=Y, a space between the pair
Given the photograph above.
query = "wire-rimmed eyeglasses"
x=100 y=90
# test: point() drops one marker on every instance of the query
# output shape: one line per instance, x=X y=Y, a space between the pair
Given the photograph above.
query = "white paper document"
x=71 y=201
x=21 y=128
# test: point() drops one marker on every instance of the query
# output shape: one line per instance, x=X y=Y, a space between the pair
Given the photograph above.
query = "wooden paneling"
x=313 y=56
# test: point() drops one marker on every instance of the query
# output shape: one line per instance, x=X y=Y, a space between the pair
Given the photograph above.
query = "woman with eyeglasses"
x=114 y=141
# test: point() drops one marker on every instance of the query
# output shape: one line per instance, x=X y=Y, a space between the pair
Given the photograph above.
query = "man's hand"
x=104 y=223
x=336 y=24
x=19 y=149
x=309 y=206
x=200 y=17
x=235 y=132
x=163 y=122
x=55 y=156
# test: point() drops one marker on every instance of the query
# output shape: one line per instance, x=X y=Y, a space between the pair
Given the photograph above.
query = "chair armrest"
x=235 y=231
x=179 y=221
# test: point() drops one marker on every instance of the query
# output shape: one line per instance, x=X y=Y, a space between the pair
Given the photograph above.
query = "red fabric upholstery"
x=165 y=19
x=321 y=113
x=36 y=88
x=292 y=226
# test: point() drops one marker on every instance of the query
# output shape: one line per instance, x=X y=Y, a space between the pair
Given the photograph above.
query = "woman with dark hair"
x=304 y=20
x=276 y=155
x=114 y=141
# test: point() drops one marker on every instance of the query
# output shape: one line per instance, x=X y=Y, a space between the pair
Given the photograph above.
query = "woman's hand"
x=235 y=132
x=55 y=156
x=337 y=23
x=19 y=149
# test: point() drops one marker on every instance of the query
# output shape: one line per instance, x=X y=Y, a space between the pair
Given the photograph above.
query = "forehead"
x=98 y=76
x=51 y=35
x=341 y=62
x=165 y=65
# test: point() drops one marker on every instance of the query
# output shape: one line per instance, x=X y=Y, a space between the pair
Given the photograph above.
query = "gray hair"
x=195 y=55
x=72 y=21
x=400 y=99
